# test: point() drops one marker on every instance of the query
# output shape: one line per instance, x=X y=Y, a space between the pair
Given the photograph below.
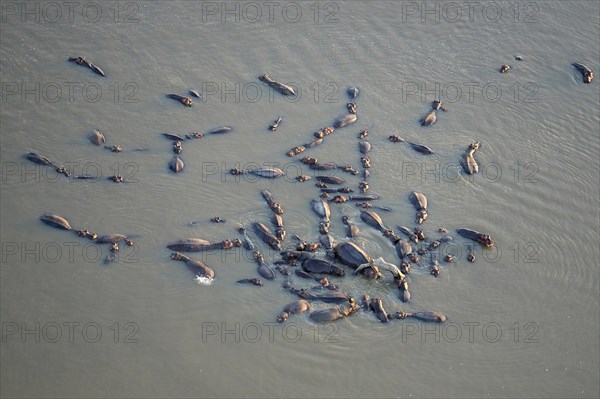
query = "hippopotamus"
x=504 y=68
x=325 y=131
x=352 y=91
x=351 y=255
x=381 y=263
x=471 y=255
x=363 y=197
x=323 y=166
x=282 y=88
x=273 y=126
x=304 y=274
x=363 y=186
x=483 y=239
x=197 y=267
x=269 y=172
x=182 y=99
x=330 y=179
x=265 y=234
x=198 y=245
x=335 y=313
x=56 y=221
x=396 y=139
x=470 y=165
x=247 y=243
x=324 y=226
x=586 y=73
x=296 y=307
x=176 y=164
x=434 y=269
x=419 y=201
x=327 y=241
x=404 y=292
x=344 y=120
x=423 y=149
x=277 y=220
x=366 y=162
x=352 y=230
x=351 y=107
x=38 y=159
x=111 y=238
x=263 y=269
x=97 y=137
x=83 y=62
x=318 y=294
x=321 y=208
x=194 y=135
x=173 y=137
x=314 y=265
x=435 y=317
x=177 y=147
x=376 y=305
x=220 y=130
x=253 y=281
x=429 y=119
x=373 y=219
x=411 y=235
x=364 y=146
x=403 y=248
x=313 y=143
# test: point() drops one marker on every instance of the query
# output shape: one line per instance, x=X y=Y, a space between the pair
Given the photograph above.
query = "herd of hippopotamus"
x=324 y=257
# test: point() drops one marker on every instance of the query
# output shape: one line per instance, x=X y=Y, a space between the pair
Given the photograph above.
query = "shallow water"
x=522 y=321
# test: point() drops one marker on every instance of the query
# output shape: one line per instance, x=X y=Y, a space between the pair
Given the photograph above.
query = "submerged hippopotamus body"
x=313 y=265
x=429 y=119
x=351 y=254
x=423 y=149
x=197 y=267
x=263 y=269
x=586 y=73
x=483 y=239
x=335 y=313
x=97 y=137
x=296 y=307
x=198 y=245
x=373 y=219
x=56 y=221
x=344 y=120
x=265 y=234
x=182 y=99
x=282 y=88
x=176 y=164
x=318 y=294
x=83 y=62
x=419 y=201
x=435 y=317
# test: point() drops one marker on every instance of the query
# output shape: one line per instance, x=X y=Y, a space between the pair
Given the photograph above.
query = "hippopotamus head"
x=258 y=256
x=283 y=316
x=405 y=267
x=486 y=240
x=372 y=272
x=349 y=307
x=421 y=216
